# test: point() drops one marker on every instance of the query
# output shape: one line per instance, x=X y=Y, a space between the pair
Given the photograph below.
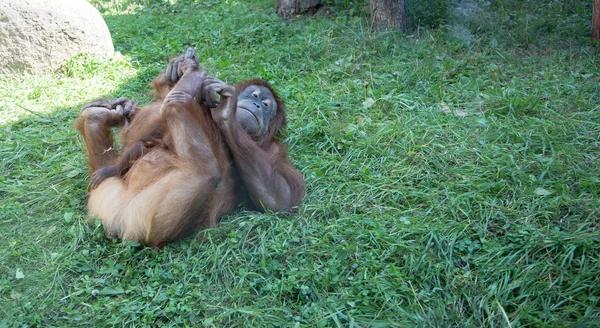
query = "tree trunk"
x=289 y=8
x=596 y=21
x=389 y=13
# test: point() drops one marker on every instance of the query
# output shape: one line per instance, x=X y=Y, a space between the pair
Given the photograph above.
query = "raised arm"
x=166 y=80
x=249 y=117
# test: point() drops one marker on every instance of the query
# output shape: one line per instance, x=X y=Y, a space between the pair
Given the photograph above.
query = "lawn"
x=452 y=174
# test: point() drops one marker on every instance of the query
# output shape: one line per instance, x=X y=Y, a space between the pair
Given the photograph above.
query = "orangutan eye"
x=266 y=103
x=255 y=94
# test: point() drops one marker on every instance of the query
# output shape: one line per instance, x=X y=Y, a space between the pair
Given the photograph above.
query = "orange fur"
x=178 y=171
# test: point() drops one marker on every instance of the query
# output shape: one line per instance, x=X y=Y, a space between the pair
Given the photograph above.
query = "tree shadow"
x=43 y=170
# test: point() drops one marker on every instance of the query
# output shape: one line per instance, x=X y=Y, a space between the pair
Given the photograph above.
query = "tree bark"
x=389 y=13
x=596 y=21
x=289 y=8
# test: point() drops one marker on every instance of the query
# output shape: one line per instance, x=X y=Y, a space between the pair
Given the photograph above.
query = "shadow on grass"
x=44 y=172
x=415 y=217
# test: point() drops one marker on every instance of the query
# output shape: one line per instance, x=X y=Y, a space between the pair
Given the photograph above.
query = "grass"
x=452 y=175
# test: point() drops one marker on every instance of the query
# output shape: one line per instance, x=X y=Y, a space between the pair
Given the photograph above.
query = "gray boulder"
x=38 y=35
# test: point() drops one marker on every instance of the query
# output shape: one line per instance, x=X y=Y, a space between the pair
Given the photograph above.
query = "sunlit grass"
x=452 y=175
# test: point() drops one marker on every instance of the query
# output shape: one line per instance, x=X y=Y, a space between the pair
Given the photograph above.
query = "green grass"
x=452 y=175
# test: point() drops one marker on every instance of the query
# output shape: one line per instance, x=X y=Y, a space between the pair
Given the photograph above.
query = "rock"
x=38 y=35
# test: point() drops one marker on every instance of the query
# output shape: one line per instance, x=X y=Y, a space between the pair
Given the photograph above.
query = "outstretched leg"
x=149 y=123
x=169 y=191
x=190 y=127
x=166 y=80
